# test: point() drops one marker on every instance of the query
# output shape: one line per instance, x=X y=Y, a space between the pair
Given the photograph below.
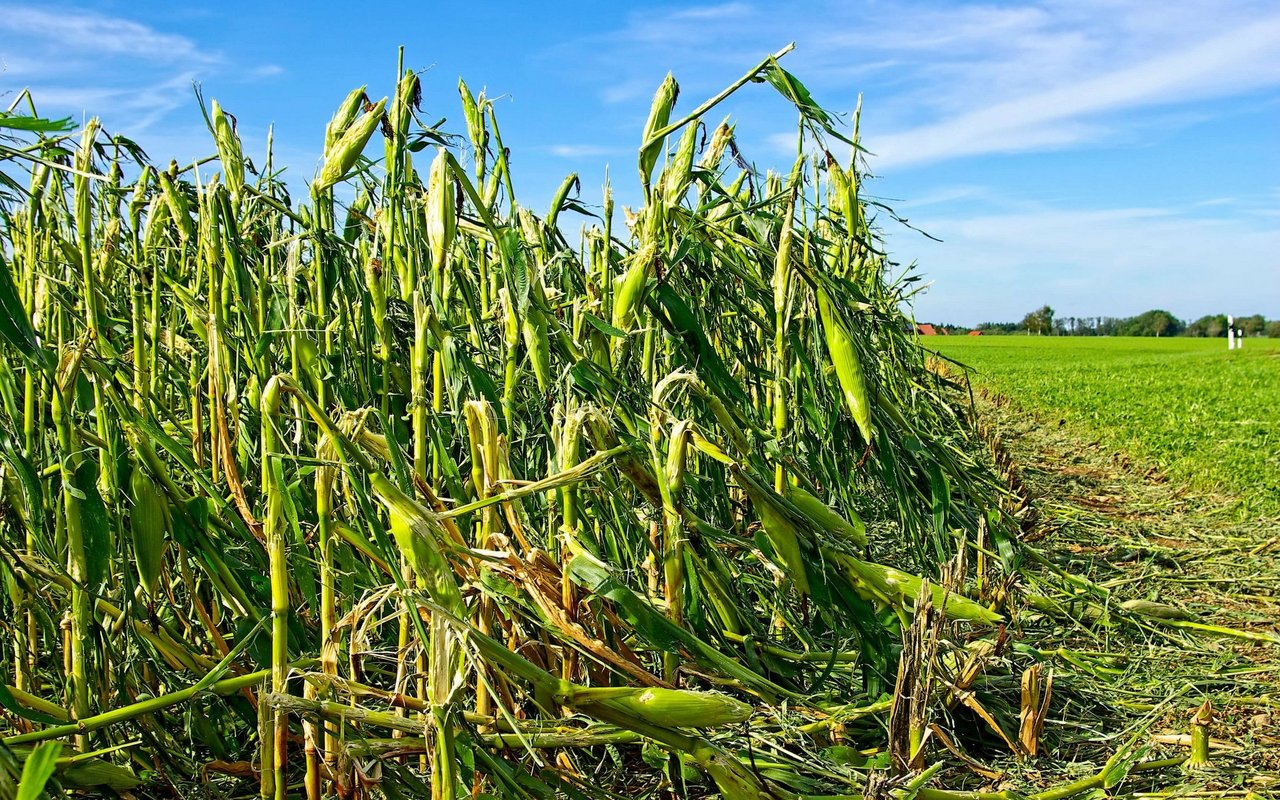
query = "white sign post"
x=1231 y=332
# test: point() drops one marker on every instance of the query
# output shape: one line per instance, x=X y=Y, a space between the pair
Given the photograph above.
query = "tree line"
x=1044 y=321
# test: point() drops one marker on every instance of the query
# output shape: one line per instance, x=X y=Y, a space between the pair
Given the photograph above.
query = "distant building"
x=926 y=330
x=975 y=333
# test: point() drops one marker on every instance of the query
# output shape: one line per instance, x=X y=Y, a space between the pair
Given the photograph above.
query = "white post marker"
x=1231 y=332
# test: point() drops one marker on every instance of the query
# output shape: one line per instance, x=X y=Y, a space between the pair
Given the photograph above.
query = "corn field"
x=399 y=489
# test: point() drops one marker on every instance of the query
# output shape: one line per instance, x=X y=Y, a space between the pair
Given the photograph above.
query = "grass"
x=1203 y=416
x=1133 y=536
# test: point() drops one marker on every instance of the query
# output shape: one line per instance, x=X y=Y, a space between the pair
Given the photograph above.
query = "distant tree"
x=997 y=327
x=1273 y=329
x=1156 y=322
x=1109 y=326
x=1210 y=325
x=1039 y=321
x=1252 y=326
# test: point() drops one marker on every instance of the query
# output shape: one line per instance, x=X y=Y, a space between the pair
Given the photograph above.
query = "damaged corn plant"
x=400 y=489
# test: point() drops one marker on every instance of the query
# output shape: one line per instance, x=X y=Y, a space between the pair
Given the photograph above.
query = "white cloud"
x=581 y=150
x=75 y=34
x=79 y=63
x=1232 y=62
x=1114 y=262
x=946 y=81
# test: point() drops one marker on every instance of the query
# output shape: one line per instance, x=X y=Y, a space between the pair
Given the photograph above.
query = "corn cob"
x=852 y=530
x=343 y=117
x=537 y=342
x=666 y=707
x=149 y=525
x=783 y=533
x=343 y=155
x=679 y=174
x=229 y=152
x=659 y=113
x=844 y=357
x=629 y=293
x=442 y=211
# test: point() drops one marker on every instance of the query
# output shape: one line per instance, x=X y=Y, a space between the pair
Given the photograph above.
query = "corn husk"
x=666 y=707
x=343 y=155
x=659 y=114
x=150 y=523
x=822 y=516
x=408 y=94
x=179 y=208
x=629 y=289
x=229 y=151
x=783 y=533
x=900 y=589
x=679 y=174
x=343 y=117
x=844 y=357
x=1149 y=608
x=714 y=154
x=442 y=209
x=537 y=342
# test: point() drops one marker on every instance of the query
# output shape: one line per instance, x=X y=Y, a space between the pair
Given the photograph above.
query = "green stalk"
x=77 y=562
x=274 y=779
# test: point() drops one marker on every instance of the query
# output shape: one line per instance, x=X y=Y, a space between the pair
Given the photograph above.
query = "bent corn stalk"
x=437 y=445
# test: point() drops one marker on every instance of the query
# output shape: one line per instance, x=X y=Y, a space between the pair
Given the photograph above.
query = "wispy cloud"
x=75 y=34
x=581 y=150
x=948 y=81
x=81 y=62
x=1075 y=110
x=1116 y=261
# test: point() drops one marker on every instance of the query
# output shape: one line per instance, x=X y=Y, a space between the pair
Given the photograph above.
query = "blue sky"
x=1102 y=156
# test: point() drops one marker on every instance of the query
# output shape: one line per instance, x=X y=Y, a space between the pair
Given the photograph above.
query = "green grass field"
x=1201 y=414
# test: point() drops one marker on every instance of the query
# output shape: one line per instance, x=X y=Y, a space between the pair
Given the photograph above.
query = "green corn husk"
x=852 y=530
x=679 y=174
x=408 y=94
x=629 y=292
x=442 y=210
x=138 y=200
x=1149 y=608
x=150 y=524
x=843 y=196
x=105 y=264
x=899 y=590
x=179 y=208
x=343 y=117
x=537 y=342
x=472 y=114
x=720 y=140
x=676 y=455
x=666 y=707
x=782 y=532
x=343 y=155
x=420 y=535
x=229 y=151
x=844 y=357
x=664 y=100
